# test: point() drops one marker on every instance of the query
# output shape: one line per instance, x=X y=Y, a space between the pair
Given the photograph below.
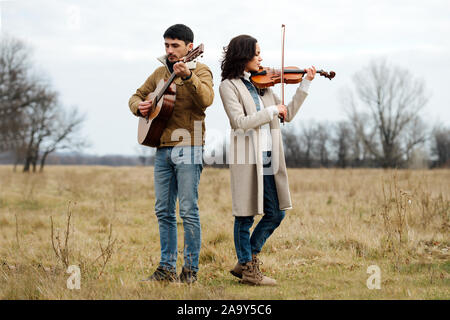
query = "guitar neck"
x=166 y=85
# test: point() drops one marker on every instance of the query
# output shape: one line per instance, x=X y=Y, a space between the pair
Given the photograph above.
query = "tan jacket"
x=247 y=188
x=193 y=96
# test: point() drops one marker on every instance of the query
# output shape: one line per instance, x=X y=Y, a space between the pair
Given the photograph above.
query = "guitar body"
x=150 y=129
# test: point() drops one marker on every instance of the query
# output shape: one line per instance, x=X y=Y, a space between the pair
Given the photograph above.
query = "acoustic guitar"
x=151 y=127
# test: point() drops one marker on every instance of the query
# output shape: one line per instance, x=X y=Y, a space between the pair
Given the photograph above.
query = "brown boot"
x=237 y=270
x=252 y=275
x=257 y=263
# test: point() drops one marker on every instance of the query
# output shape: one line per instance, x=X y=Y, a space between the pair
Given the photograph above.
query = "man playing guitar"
x=178 y=164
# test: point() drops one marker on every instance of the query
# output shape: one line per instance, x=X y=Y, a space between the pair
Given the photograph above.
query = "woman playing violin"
x=259 y=182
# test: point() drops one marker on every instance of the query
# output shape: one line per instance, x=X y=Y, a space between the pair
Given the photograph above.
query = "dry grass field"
x=343 y=221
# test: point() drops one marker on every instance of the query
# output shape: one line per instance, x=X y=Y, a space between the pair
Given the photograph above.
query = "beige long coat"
x=245 y=153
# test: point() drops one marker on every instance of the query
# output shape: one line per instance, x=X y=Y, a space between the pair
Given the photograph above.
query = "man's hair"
x=239 y=51
x=180 y=32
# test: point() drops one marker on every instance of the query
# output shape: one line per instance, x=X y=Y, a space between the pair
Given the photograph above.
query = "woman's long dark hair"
x=239 y=51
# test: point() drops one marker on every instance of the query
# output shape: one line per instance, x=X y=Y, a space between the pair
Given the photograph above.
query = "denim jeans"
x=247 y=245
x=177 y=173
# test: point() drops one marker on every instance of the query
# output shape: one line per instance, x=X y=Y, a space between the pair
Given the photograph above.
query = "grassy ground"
x=343 y=221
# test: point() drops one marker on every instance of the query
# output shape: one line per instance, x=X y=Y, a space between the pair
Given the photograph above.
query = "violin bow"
x=282 y=68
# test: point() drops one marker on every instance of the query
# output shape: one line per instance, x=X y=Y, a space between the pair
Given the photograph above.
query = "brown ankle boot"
x=237 y=270
x=252 y=275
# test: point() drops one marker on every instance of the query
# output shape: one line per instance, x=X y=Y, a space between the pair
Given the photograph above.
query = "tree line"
x=325 y=144
x=384 y=125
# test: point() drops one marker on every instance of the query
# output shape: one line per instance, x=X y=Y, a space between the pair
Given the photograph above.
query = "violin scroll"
x=330 y=75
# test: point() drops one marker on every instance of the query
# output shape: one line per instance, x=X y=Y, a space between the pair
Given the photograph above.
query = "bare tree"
x=386 y=110
x=16 y=85
x=64 y=134
x=322 y=132
x=291 y=144
x=342 y=140
x=359 y=153
x=33 y=122
x=308 y=136
x=440 y=147
x=48 y=127
x=415 y=136
x=37 y=124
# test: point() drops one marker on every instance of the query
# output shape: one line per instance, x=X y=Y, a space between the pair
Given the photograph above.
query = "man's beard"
x=170 y=64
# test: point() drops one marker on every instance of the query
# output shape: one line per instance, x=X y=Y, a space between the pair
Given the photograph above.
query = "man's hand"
x=181 y=70
x=144 y=107
x=311 y=73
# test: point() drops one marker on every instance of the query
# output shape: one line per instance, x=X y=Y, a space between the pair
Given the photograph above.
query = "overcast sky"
x=97 y=53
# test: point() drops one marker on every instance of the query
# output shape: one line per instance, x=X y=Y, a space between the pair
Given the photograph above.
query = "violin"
x=268 y=77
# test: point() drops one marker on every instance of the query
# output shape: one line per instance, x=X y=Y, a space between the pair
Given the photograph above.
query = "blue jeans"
x=247 y=245
x=177 y=173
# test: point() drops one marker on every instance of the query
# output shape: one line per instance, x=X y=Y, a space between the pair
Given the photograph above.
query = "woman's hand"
x=282 y=111
x=310 y=73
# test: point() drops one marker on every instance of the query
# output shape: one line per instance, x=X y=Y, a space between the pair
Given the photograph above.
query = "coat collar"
x=247 y=99
x=191 y=64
